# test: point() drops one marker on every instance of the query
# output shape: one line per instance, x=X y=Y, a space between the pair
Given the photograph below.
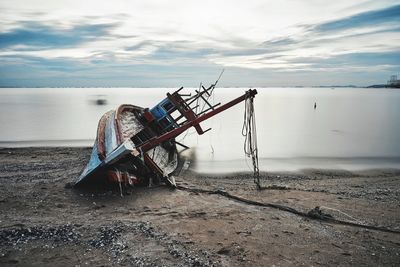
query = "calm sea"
x=349 y=128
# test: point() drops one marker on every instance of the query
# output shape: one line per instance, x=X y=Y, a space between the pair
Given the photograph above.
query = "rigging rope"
x=207 y=96
x=249 y=131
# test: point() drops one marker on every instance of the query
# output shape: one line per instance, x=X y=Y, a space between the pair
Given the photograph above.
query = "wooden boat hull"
x=114 y=157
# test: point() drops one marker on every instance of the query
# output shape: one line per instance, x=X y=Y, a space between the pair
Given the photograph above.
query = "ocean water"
x=350 y=128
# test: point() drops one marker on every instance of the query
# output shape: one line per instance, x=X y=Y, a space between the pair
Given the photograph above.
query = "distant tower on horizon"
x=394 y=82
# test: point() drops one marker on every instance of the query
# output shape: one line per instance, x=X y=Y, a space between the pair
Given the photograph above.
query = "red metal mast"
x=193 y=122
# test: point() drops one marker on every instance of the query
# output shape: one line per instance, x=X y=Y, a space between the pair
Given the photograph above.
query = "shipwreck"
x=137 y=146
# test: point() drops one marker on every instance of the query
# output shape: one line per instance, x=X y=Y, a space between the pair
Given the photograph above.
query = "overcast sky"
x=172 y=43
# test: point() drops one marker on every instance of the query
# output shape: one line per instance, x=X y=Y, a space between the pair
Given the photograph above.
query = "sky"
x=160 y=43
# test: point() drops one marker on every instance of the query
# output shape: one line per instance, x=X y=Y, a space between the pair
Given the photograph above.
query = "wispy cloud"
x=34 y=35
x=361 y=38
x=390 y=15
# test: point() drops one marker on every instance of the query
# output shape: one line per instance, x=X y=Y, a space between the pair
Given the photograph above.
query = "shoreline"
x=274 y=165
x=42 y=221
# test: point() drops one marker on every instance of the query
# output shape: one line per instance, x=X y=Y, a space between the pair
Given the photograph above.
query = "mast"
x=192 y=120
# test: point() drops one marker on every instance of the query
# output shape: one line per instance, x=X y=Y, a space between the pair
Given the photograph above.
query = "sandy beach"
x=45 y=222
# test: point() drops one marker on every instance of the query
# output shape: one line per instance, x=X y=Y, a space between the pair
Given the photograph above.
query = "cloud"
x=362 y=39
x=366 y=19
x=256 y=38
x=32 y=34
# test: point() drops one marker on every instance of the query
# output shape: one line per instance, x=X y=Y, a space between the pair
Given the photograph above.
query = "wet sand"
x=43 y=222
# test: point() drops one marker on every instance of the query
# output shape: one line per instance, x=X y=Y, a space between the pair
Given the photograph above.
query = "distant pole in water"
x=315 y=105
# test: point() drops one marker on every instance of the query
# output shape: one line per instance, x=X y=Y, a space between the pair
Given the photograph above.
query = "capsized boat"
x=136 y=145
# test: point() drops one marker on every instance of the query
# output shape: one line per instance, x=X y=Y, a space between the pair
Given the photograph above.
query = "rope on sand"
x=341 y=212
x=314 y=214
